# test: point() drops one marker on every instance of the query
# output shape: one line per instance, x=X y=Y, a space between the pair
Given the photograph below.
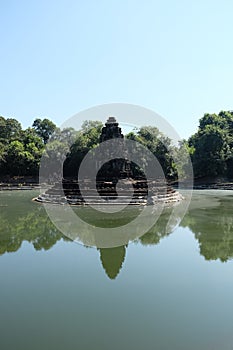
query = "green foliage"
x=10 y=129
x=159 y=145
x=181 y=156
x=85 y=139
x=20 y=150
x=44 y=128
x=212 y=146
x=32 y=226
x=215 y=235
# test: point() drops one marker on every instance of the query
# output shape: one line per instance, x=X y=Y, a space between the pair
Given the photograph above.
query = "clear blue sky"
x=60 y=57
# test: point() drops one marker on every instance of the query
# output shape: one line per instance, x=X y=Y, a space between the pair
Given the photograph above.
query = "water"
x=165 y=291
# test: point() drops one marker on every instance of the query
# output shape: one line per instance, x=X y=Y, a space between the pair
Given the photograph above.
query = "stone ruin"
x=115 y=183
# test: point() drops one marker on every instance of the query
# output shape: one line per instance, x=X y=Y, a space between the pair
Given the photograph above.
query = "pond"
x=170 y=289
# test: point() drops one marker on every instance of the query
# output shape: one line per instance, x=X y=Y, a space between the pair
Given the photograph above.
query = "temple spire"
x=111 y=130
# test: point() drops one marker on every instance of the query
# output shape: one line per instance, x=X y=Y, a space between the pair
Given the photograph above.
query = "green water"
x=165 y=291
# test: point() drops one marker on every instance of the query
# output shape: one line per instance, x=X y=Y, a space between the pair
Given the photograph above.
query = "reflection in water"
x=209 y=218
x=112 y=260
x=34 y=227
x=30 y=223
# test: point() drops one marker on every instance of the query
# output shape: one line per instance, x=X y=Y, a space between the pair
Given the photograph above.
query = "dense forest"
x=210 y=148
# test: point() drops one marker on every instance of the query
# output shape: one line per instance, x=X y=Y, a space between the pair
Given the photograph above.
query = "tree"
x=33 y=144
x=44 y=128
x=3 y=152
x=85 y=139
x=182 y=158
x=213 y=119
x=159 y=145
x=210 y=152
x=10 y=129
x=212 y=146
x=17 y=158
x=22 y=156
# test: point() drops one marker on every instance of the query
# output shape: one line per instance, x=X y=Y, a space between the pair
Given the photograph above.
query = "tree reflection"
x=162 y=228
x=35 y=227
x=209 y=218
x=212 y=224
x=30 y=223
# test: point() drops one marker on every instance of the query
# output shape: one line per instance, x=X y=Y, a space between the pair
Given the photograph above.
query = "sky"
x=61 y=57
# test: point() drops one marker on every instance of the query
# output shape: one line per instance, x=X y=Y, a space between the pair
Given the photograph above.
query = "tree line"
x=210 y=148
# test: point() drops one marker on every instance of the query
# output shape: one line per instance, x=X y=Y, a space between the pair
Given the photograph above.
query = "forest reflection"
x=210 y=221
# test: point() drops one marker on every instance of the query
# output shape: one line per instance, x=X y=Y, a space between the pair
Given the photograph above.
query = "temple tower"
x=119 y=168
x=111 y=130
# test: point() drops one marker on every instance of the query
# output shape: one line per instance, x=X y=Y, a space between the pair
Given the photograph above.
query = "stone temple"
x=116 y=183
x=111 y=130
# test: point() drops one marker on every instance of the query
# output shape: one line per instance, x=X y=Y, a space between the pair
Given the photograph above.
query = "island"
x=117 y=182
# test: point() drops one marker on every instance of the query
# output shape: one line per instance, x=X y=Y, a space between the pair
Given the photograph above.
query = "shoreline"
x=214 y=186
x=29 y=187
x=33 y=184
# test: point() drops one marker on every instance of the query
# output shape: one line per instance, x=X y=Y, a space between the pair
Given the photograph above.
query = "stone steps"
x=136 y=194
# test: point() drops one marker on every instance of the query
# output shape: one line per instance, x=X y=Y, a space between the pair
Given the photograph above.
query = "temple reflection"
x=210 y=220
x=112 y=260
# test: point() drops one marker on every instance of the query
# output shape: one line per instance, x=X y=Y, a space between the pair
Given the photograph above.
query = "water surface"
x=168 y=290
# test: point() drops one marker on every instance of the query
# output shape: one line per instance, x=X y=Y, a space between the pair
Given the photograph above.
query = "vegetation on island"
x=210 y=148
